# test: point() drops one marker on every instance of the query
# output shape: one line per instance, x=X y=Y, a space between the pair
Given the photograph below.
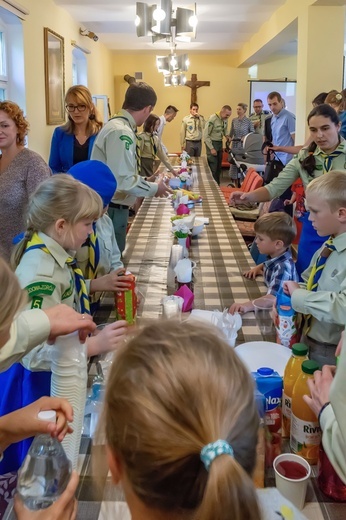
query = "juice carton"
x=126 y=303
x=292 y=372
x=305 y=431
x=269 y=383
x=286 y=323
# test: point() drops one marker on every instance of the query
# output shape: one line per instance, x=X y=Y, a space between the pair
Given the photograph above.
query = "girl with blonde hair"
x=73 y=142
x=181 y=427
x=60 y=217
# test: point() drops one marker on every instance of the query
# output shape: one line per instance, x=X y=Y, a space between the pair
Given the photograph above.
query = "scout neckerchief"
x=37 y=243
x=93 y=254
x=328 y=159
x=153 y=146
x=138 y=139
x=316 y=273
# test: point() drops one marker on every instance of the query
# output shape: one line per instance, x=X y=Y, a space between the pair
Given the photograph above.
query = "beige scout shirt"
x=115 y=146
x=215 y=130
x=147 y=151
x=333 y=419
x=29 y=329
x=293 y=170
x=48 y=281
x=110 y=256
x=327 y=305
x=191 y=129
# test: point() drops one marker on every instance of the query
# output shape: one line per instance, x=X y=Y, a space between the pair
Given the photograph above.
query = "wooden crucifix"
x=194 y=84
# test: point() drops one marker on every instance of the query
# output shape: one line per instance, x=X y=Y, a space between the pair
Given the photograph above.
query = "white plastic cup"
x=292 y=489
x=263 y=308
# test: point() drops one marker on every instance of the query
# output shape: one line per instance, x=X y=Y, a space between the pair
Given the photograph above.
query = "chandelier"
x=177 y=25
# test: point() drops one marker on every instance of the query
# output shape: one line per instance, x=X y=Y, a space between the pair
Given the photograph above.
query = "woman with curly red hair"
x=21 y=171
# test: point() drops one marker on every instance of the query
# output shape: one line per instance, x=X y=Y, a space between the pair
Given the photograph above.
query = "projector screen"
x=261 y=89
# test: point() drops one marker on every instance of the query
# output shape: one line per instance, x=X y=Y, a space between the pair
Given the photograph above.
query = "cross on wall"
x=194 y=84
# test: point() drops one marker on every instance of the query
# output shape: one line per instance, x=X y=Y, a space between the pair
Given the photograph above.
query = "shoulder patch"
x=37 y=288
x=37 y=302
x=127 y=140
x=319 y=167
x=68 y=291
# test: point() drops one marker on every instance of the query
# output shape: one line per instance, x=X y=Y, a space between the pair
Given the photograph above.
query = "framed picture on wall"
x=54 y=77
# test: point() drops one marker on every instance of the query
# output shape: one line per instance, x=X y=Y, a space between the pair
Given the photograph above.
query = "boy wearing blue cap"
x=100 y=258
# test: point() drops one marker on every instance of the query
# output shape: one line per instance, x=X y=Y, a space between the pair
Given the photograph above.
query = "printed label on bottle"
x=286 y=415
x=305 y=438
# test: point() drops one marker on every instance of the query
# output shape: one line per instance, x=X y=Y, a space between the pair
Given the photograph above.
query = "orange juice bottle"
x=305 y=431
x=292 y=371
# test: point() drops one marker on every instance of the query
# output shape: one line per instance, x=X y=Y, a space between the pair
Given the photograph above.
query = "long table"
x=221 y=256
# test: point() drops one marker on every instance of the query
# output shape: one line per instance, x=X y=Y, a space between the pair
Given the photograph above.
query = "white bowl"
x=257 y=354
x=198 y=227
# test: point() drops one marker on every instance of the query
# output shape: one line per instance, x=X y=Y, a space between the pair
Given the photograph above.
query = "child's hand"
x=112 y=282
x=287 y=202
x=290 y=287
x=255 y=271
x=108 y=339
x=242 y=308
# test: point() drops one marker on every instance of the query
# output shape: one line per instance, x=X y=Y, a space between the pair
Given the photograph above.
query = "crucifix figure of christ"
x=194 y=84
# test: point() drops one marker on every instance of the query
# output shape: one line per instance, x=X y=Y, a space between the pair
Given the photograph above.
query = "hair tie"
x=338 y=97
x=213 y=450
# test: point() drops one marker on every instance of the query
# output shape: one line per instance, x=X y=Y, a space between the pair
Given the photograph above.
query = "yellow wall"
x=100 y=77
x=278 y=67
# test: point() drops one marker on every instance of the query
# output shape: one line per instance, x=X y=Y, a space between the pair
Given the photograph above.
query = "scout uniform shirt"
x=110 y=256
x=191 y=129
x=215 y=130
x=293 y=170
x=115 y=146
x=151 y=146
x=48 y=281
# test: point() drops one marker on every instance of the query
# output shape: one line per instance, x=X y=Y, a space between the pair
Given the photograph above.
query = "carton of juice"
x=269 y=383
x=126 y=303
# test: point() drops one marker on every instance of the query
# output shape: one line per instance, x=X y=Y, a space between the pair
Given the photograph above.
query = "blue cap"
x=98 y=176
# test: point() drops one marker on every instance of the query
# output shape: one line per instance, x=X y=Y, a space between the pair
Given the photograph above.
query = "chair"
x=225 y=162
x=252 y=181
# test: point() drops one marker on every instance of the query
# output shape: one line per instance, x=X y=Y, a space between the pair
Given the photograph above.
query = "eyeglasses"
x=72 y=108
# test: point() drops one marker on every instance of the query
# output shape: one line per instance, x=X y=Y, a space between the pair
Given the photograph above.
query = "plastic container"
x=328 y=480
x=305 y=435
x=291 y=374
x=269 y=383
x=286 y=323
x=126 y=302
x=69 y=380
x=45 y=471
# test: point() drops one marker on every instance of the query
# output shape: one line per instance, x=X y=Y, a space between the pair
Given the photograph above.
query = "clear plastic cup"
x=263 y=308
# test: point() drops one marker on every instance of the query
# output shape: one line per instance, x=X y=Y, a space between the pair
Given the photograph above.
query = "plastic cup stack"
x=176 y=255
x=69 y=380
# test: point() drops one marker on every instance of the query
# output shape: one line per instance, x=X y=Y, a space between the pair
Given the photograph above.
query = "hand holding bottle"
x=65 y=508
x=23 y=423
x=319 y=387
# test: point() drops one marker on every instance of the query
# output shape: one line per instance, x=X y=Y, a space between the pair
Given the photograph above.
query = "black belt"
x=193 y=141
x=117 y=206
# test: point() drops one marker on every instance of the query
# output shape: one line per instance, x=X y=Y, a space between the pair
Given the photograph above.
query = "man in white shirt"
x=170 y=113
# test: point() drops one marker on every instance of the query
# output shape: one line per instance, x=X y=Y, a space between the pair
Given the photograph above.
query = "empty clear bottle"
x=45 y=471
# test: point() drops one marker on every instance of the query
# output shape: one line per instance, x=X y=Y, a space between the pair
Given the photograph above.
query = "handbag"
x=272 y=170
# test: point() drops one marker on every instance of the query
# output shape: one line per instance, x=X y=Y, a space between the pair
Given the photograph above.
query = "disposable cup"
x=294 y=489
x=263 y=307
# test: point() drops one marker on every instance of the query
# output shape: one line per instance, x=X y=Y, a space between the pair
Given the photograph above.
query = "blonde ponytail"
x=172 y=391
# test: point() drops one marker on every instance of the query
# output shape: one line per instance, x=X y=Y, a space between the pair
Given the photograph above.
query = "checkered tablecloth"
x=221 y=256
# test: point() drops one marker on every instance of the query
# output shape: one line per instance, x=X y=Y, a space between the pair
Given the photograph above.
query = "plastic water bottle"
x=45 y=471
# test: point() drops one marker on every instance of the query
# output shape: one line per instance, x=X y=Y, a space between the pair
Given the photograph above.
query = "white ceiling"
x=223 y=25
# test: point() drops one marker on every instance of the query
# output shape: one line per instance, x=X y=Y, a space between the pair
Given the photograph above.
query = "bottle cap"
x=299 y=349
x=309 y=366
x=47 y=415
x=265 y=371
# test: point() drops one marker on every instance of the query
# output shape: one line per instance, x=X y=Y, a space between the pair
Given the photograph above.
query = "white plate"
x=257 y=354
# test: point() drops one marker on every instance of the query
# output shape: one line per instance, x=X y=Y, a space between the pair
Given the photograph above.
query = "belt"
x=194 y=140
x=117 y=206
x=321 y=343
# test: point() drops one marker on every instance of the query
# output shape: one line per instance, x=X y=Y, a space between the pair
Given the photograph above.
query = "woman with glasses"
x=73 y=142
x=21 y=171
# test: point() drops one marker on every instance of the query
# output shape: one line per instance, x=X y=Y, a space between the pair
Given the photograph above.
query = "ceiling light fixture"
x=174 y=26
